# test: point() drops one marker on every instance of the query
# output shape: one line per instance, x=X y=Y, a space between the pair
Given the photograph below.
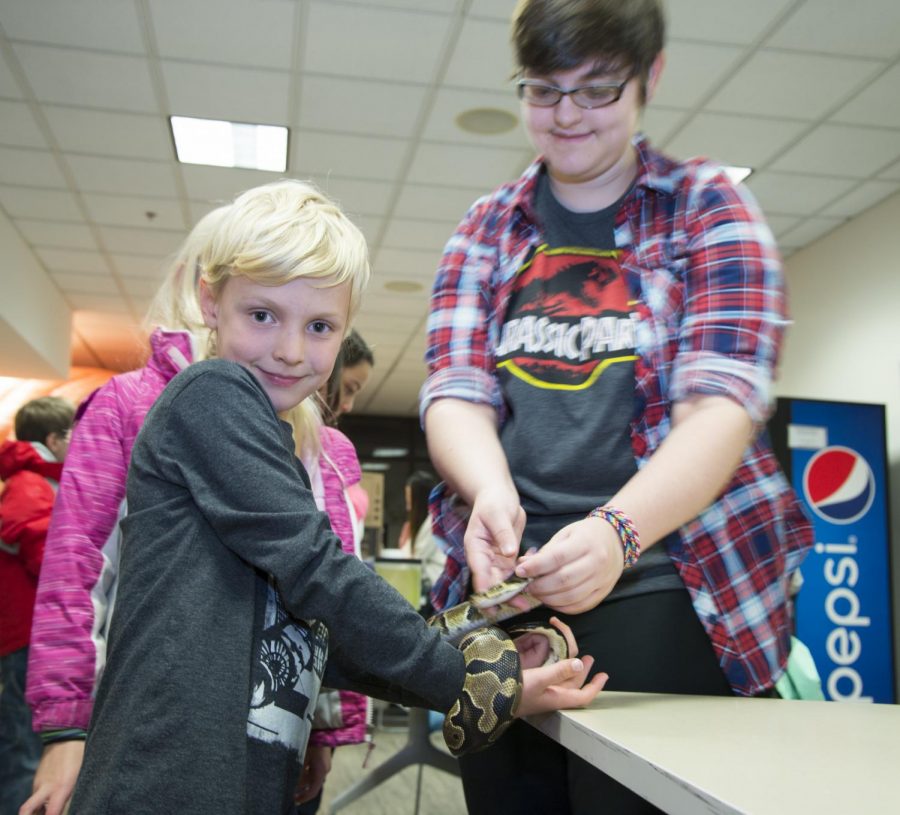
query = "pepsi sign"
x=843 y=611
x=838 y=485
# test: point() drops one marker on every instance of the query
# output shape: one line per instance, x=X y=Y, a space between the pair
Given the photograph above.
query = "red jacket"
x=25 y=507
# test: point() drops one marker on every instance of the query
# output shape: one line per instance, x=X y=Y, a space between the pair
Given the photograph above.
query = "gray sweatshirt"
x=231 y=584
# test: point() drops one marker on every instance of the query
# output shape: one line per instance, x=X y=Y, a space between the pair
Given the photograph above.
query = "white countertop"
x=703 y=754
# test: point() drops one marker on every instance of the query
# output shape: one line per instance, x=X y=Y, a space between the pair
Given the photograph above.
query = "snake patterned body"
x=493 y=684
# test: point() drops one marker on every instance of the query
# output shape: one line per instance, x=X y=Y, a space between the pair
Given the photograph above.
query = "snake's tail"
x=491 y=691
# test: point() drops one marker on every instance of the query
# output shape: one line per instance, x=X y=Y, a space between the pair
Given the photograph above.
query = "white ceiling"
x=807 y=92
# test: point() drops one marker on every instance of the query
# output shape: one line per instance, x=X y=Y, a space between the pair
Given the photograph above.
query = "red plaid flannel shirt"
x=705 y=269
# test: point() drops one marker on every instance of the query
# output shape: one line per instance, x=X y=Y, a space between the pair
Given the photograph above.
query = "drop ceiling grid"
x=85 y=149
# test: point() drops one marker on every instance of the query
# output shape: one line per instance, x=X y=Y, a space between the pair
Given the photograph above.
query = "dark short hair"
x=37 y=419
x=355 y=350
x=558 y=35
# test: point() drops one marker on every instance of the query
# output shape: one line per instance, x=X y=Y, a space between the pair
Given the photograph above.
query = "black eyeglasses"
x=544 y=95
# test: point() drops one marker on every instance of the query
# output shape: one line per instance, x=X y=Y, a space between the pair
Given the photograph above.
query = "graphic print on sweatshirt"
x=570 y=317
x=287 y=676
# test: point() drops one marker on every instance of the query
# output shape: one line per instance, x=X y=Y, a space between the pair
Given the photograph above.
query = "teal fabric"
x=801 y=679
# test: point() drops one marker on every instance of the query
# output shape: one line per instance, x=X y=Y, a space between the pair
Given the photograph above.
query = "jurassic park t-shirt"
x=565 y=363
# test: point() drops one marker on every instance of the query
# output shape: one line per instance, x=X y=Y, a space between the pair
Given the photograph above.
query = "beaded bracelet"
x=625 y=529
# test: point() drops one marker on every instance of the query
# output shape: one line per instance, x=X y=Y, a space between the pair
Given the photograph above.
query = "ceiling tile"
x=251 y=34
x=418 y=234
x=793 y=86
x=399 y=263
x=442 y=203
x=348 y=156
x=9 y=87
x=18 y=127
x=842 y=150
x=357 y=195
x=434 y=6
x=370 y=226
x=892 y=172
x=779 y=224
x=101 y=133
x=692 y=70
x=233 y=94
x=876 y=104
x=96 y=24
x=661 y=123
x=810 y=230
x=36 y=168
x=494 y=65
x=463 y=165
x=72 y=283
x=357 y=106
x=113 y=303
x=141 y=241
x=121 y=210
x=58 y=235
x=94 y=80
x=373 y=43
x=733 y=21
x=742 y=140
x=825 y=26
x=220 y=185
x=141 y=288
x=73 y=260
x=493 y=9
x=864 y=196
x=141 y=266
x=449 y=103
x=794 y=194
x=24 y=202
x=97 y=174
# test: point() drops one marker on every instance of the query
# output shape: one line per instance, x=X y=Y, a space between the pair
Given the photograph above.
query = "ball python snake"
x=492 y=687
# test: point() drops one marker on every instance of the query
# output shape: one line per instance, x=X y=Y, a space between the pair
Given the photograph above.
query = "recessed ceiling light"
x=390 y=452
x=403 y=286
x=230 y=144
x=486 y=121
x=738 y=174
x=375 y=466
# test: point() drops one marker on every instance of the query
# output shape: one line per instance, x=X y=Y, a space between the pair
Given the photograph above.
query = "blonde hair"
x=280 y=232
x=176 y=304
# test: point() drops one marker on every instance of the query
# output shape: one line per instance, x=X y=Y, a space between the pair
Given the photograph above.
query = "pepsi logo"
x=839 y=485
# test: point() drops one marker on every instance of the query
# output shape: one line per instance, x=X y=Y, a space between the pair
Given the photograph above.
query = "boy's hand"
x=316 y=765
x=559 y=686
x=55 y=778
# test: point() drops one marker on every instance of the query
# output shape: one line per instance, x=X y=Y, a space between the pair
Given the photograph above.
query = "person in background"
x=357 y=362
x=232 y=586
x=30 y=468
x=602 y=340
x=76 y=591
x=416 y=537
x=351 y=373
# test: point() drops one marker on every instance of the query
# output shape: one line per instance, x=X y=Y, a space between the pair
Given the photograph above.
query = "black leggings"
x=649 y=643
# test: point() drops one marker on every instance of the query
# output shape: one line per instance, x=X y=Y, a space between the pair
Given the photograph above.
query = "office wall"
x=845 y=341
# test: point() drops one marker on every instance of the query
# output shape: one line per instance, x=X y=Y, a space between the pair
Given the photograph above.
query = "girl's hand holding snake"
x=576 y=568
x=492 y=536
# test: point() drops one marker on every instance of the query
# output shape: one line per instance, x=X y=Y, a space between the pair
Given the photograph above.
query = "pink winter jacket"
x=76 y=589
x=339 y=467
x=68 y=636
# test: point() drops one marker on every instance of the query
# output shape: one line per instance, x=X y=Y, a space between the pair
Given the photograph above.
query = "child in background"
x=78 y=578
x=30 y=468
x=231 y=583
